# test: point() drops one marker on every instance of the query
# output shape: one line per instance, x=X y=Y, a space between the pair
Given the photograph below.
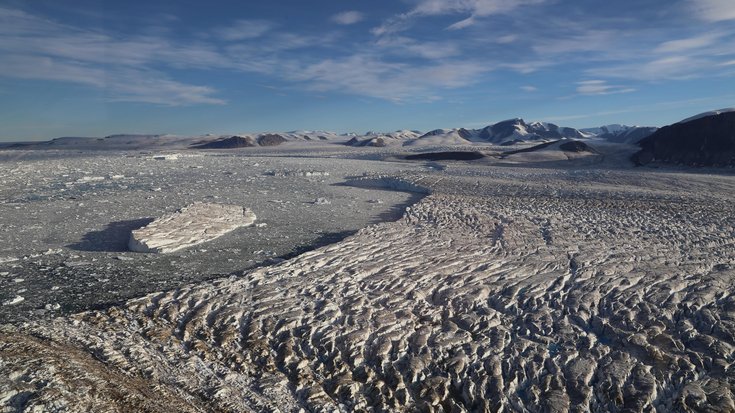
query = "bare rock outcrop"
x=271 y=139
x=228 y=143
x=197 y=223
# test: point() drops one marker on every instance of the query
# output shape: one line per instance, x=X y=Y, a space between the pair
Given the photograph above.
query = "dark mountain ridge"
x=705 y=141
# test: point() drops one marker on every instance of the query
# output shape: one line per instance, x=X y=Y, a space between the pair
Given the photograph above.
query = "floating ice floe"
x=166 y=157
x=15 y=300
x=87 y=179
x=296 y=173
x=195 y=224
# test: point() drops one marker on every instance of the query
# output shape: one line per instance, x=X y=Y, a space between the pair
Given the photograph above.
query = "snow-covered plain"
x=543 y=284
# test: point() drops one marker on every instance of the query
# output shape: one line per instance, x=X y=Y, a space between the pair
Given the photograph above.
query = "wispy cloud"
x=244 y=29
x=686 y=44
x=475 y=9
x=347 y=17
x=594 y=40
x=152 y=87
x=463 y=24
x=123 y=84
x=46 y=68
x=36 y=48
x=682 y=103
x=713 y=10
x=665 y=68
x=404 y=62
x=132 y=68
x=600 y=87
x=625 y=50
x=367 y=75
x=527 y=67
x=506 y=39
x=428 y=50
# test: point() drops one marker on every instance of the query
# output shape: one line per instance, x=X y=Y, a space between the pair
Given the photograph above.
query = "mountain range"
x=507 y=132
x=706 y=139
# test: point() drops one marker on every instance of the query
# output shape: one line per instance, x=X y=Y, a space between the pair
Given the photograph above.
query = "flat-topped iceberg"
x=194 y=224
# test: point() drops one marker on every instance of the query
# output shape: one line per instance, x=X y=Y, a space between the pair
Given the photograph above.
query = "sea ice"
x=197 y=223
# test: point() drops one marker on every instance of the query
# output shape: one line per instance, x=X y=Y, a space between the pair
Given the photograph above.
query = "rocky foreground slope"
x=490 y=294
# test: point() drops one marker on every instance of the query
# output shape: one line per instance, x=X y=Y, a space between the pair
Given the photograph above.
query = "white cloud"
x=636 y=53
x=668 y=104
x=475 y=8
x=681 y=45
x=714 y=10
x=46 y=68
x=391 y=66
x=528 y=66
x=479 y=8
x=37 y=48
x=529 y=88
x=666 y=68
x=600 y=87
x=244 y=29
x=462 y=24
x=152 y=87
x=584 y=41
x=670 y=66
x=131 y=68
x=120 y=84
x=508 y=38
x=367 y=75
x=404 y=46
x=347 y=17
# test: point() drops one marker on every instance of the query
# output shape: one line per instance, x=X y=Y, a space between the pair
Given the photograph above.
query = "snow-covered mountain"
x=306 y=135
x=457 y=136
x=378 y=139
x=507 y=131
x=517 y=129
x=619 y=133
x=399 y=134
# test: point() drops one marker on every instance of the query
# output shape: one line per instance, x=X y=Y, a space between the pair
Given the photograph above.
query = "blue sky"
x=93 y=68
